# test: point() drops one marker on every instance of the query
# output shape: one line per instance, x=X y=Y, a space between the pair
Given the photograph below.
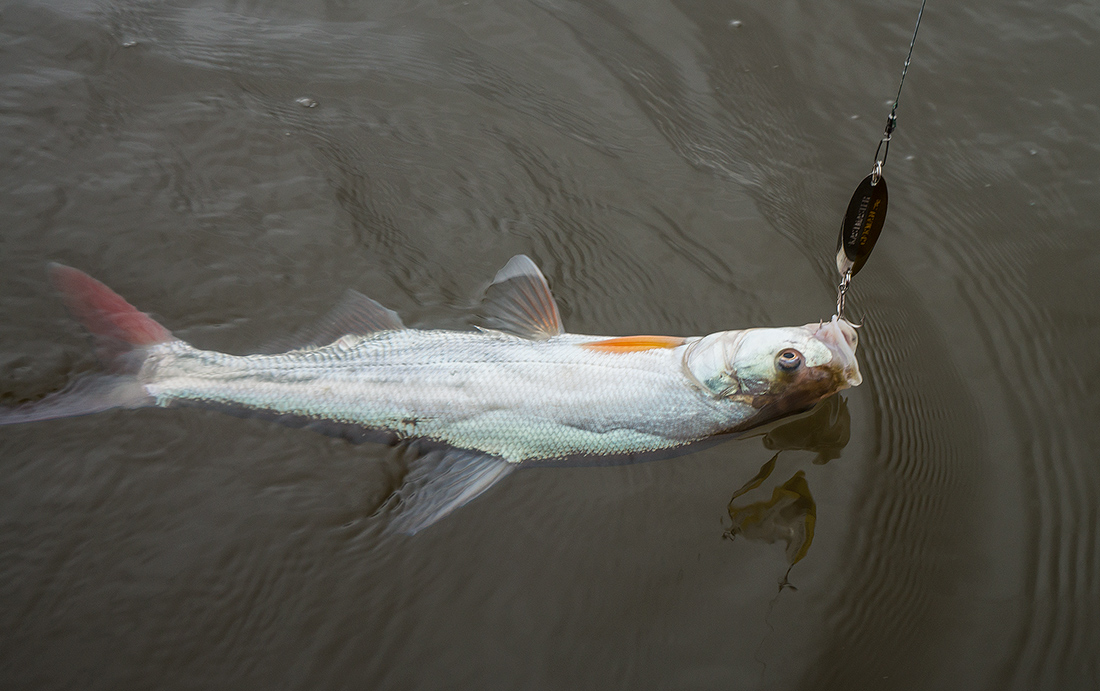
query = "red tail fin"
x=117 y=325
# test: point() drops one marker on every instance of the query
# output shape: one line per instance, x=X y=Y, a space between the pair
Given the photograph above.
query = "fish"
x=518 y=390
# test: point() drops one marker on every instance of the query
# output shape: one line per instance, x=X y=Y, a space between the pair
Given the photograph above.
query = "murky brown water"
x=234 y=167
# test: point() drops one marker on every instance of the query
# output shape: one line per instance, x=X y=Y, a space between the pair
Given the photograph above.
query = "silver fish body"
x=520 y=390
x=511 y=397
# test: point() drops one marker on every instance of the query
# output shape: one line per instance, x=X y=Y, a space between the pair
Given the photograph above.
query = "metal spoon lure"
x=861 y=227
x=867 y=211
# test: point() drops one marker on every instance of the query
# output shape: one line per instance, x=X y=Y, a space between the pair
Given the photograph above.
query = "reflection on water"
x=790 y=514
x=825 y=431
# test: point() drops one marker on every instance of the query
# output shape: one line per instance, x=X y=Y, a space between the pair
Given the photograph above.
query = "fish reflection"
x=790 y=514
x=824 y=431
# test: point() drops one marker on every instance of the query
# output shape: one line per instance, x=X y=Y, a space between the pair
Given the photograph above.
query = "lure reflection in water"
x=520 y=390
x=789 y=515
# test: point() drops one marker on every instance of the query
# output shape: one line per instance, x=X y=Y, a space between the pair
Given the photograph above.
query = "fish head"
x=777 y=371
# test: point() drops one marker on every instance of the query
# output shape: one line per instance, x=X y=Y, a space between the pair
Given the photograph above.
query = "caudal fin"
x=118 y=327
x=84 y=396
x=121 y=334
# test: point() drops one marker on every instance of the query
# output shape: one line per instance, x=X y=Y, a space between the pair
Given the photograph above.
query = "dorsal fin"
x=355 y=314
x=519 y=302
x=358 y=315
x=627 y=344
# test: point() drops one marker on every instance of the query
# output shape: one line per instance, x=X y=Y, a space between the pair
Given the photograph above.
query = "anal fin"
x=439 y=482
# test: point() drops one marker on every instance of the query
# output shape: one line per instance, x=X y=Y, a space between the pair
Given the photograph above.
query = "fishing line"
x=866 y=212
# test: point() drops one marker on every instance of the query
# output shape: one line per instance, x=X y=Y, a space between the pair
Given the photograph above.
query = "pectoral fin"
x=439 y=482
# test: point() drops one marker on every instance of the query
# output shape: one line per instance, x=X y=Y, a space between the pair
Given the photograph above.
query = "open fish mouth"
x=839 y=335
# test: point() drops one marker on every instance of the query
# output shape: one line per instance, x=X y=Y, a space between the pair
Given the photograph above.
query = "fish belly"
x=511 y=397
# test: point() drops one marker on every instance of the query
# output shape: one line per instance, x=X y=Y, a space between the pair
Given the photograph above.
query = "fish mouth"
x=839 y=336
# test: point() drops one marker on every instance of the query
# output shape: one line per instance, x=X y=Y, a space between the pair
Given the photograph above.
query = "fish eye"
x=788 y=360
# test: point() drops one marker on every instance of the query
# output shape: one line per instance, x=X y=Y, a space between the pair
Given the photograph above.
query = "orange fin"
x=626 y=344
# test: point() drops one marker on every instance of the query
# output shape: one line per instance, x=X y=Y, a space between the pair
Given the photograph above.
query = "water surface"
x=674 y=167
